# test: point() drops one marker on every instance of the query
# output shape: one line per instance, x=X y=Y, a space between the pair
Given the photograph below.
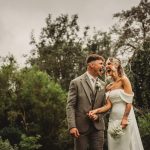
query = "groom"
x=86 y=92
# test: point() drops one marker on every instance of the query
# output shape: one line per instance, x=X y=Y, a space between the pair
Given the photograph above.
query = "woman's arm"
x=127 y=89
x=124 y=121
x=105 y=108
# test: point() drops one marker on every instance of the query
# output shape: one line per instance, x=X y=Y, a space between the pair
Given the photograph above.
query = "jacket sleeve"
x=71 y=104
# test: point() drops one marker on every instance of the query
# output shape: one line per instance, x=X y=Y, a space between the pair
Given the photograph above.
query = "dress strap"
x=128 y=98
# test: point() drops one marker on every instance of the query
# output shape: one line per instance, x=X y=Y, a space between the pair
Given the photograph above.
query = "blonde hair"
x=118 y=64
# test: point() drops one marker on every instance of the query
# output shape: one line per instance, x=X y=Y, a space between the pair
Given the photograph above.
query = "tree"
x=134 y=37
x=133 y=29
x=29 y=143
x=59 y=51
x=31 y=104
x=7 y=96
x=5 y=145
x=101 y=43
x=140 y=76
x=40 y=106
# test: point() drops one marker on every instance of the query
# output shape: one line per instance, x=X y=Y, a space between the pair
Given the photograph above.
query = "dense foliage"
x=33 y=99
x=31 y=104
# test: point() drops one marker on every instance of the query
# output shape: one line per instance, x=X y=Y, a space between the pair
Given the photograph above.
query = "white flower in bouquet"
x=115 y=129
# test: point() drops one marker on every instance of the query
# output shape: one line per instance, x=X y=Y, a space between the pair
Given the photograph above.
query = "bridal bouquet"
x=115 y=129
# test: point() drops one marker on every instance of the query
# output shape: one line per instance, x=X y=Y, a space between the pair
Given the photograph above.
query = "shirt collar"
x=90 y=76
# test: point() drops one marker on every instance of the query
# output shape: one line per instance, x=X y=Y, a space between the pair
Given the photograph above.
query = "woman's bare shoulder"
x=125 y=79
x=126 y=85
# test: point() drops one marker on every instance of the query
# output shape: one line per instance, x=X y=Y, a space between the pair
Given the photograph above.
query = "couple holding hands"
x=88 y=100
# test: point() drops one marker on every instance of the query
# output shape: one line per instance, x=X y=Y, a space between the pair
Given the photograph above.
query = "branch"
x=128 y=44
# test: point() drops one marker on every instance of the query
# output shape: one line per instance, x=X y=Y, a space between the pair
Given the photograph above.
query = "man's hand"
x=92 y=112
x=74 y=132
x=124 y=123
x=93 y=117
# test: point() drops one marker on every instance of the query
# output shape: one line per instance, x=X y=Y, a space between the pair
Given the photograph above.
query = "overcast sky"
x=19 y=17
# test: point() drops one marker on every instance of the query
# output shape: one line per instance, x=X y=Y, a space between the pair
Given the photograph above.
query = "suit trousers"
x=91 y=140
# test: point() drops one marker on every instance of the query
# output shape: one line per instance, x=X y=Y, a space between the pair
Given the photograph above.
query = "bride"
x=123 y=133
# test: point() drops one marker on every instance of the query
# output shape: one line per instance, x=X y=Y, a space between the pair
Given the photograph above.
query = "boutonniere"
x=98 y=86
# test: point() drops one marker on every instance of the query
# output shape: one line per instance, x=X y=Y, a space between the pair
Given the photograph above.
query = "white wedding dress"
x=130 y=139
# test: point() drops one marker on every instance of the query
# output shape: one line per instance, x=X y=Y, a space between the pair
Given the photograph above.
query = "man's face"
x=97 y=67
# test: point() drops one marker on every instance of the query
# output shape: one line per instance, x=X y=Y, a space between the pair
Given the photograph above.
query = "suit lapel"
x=87 y=86
x=96 y=95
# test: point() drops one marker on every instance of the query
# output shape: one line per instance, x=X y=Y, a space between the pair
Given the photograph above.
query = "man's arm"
x=70 y=109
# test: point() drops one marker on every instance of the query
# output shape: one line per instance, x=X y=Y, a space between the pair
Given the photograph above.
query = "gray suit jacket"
x=79 y=103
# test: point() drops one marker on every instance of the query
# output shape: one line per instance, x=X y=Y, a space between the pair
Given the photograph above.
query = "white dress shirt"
x=92 y=80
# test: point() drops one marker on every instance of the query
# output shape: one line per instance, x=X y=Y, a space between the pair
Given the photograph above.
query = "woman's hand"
x=92 y=112
x=92 y=115
x=124 y=123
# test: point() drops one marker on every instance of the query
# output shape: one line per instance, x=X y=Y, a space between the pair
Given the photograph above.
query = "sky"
x=18 y=18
